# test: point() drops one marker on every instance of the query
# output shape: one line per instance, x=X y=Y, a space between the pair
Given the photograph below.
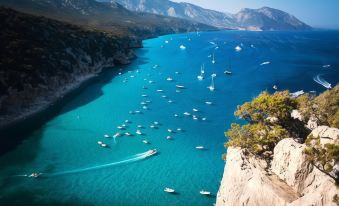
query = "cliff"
x=289 y=180
x=43 y=59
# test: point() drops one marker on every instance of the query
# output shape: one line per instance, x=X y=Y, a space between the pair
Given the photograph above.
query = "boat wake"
x=322 y=82
x=131 y=159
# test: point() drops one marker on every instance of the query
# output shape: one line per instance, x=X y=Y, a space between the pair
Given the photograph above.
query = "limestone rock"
x=326 y=134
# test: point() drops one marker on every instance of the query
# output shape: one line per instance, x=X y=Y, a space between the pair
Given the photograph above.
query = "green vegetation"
x=268 y=120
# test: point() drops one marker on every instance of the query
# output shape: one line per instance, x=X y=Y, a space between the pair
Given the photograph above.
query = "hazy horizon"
x=319 y=14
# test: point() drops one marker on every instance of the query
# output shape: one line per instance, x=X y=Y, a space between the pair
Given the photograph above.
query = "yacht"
x=100 y=142
x=208 y=103
x=138 y=132
x=195 y=110
x=211 y=87
x=203 y=192
x=169 y=79
x=187 y=114
x=182 y=47
x=156 y=123
x=180 y=86
x=265 y=63
x=104 y=145
x=199 y=147
x=169 y=190
x=128 y=134
x=106 y=135
x=145 y=141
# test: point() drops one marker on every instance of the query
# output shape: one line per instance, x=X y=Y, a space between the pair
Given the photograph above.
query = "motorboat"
x=227 y=72
x=145 y=107
x=199 y=147
x=106 y=135
x=144 y=95
x=145 y=141
x=156 y=123
x=104 y=145
x=169 y=190
x=213 y=60
x=139 y=126
x=182 y=47
x=128 y=134
x=203 y=119
x=116 y=135
x=208 y=103
x=169 y=130
x=179 y=129
x=151 y=152
x=169 y=137
x=195 y=117
x=180 y=86
x=187 y=113
x=203 y=192
x=238 y=48
x=35 y=175
x=127 y=121
x=160 y=90
x=169 y=79
x=100 y=142
x=176 y=115
x=138 y=132
x=170 y=101
x=195 y=110
x=265 y=63
x=164 y=96
x=275 y=87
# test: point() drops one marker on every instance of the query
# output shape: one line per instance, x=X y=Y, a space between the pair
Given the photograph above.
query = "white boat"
x=187 y=114
x=199 y=147
x=179 y=129
x=145 y=107
x=160 y=90
x=297 y=94
x=116 y=135
x=326 y=66
x=169 y=190
x=99 y=142
x=211 y=87
x=275 y=87
x=150 y=81
x=128 y=134
x=166 y=42
x=104 y=145
x=127 y=121
x=169 y=137
x=123 y=125
x=169 y=130
x=202 y=72
x=145 y=141
x=265 y=63
x=203 y=192
x=195 y=117
x=195 y=110
x=151 y=152
x=203 y=119
x=170 y=101
x=155 y=66
x=143 y=103
x=238 y=48
x=137 y=112
x=180 y=86
x=182 y=47
x=156 y=123
x=164 y=96
x=176 y=115
x=144 y=95
x=120 y=127
x=213 y=60
x=106 y=135
x=138 y=132
x=227 y=72
x=169 y=79
x=208 y=103
x=35 y=175
x=139 y=126
x=152 y=126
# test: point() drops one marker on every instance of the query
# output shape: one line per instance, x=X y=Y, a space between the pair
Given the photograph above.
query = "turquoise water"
x=77 y=171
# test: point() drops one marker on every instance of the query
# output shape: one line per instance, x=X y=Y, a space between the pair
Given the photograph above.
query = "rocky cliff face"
x=289 y=180
x=43 y=59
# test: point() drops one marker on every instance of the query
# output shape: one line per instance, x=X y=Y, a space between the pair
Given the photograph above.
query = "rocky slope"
x=250 y=19
x=290 y=179
x=42 y=59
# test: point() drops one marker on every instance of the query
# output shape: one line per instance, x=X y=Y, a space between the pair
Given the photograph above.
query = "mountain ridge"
x=246 y=19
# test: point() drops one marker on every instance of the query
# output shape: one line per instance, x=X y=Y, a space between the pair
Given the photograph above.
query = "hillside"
x=247 y=19
x=45 y=58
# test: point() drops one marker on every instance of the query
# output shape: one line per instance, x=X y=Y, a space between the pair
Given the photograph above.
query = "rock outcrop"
x=290 y=180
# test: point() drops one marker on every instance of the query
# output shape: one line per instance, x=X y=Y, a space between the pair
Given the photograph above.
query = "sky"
x=317 y=13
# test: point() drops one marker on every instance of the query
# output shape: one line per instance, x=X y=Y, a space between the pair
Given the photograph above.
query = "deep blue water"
x=65 y=148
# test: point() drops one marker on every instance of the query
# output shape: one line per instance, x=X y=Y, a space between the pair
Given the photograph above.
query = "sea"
x=68 y=150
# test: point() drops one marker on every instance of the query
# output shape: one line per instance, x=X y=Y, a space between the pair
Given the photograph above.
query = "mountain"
x=250 y=19
x=268 y=19
x=105 y=16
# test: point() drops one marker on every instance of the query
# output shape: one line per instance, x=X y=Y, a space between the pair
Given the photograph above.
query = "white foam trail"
x=322 y=82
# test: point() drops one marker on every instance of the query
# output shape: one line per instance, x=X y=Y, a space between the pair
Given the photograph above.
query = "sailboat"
x=211 y=87
x=213 y=60
x=202 y=72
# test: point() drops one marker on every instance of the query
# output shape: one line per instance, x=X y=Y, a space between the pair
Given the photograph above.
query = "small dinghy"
x=203 y=192
x=169 y=190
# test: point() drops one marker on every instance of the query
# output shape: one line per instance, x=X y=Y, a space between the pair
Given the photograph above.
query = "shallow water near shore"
x=77 y=171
